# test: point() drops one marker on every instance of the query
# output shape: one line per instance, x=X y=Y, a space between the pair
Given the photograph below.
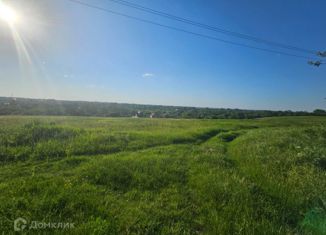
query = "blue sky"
x=78 y=53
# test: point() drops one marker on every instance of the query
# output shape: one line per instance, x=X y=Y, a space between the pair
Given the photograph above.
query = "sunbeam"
x=11 y=17
x=8 y=14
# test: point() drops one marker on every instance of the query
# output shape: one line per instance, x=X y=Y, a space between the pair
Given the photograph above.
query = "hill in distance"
x=26 y=106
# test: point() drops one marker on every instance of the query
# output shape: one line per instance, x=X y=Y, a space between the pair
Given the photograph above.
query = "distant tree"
x=319 y=112
x=22 y=106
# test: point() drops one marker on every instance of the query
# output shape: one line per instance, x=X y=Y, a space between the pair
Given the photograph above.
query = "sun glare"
x=7 y=14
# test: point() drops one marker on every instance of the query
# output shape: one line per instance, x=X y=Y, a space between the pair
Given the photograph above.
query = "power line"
x=188 y=32
x=213 y=28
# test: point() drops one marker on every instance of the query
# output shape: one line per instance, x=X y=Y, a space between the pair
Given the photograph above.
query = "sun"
x=8 y=14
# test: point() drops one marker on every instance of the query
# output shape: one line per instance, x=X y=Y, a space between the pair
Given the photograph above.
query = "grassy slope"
x=146 y=176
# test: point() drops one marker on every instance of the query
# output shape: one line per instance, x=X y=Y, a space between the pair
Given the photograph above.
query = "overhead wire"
x=212 y=28
x=187 y=31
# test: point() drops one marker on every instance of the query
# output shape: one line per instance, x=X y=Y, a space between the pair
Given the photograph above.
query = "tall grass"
x=125 y=176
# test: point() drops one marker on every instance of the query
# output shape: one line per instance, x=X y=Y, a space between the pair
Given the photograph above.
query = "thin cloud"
x=66 y=75
x=148 y=75
x=92 y=86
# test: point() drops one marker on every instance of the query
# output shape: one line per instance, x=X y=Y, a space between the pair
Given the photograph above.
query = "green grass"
x=164 y=176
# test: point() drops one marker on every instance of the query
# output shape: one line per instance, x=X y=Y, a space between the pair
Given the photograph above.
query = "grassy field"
x=164 y=176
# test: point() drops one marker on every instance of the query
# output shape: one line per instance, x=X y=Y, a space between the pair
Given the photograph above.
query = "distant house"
x=135 y=116
x=152 y=115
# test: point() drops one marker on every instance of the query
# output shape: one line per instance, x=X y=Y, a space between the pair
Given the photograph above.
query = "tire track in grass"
x=260 y=203
x=267 y=204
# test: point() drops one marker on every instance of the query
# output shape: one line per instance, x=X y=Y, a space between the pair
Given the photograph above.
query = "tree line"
x=25 y=106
